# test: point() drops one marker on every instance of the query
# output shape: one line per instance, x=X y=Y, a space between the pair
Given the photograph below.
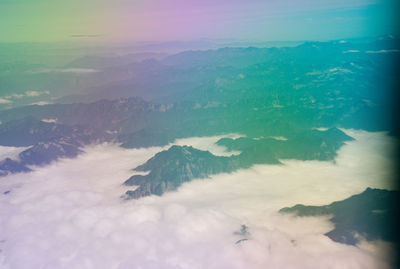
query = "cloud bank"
x=27 y=94
x=11 y=152
x=4 y=101
x=69 y=214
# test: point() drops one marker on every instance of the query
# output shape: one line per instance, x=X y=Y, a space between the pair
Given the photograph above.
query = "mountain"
x=47 y=141
x=296 y=144
x=98 y=115
x=261 y=93
x=29 y=131
x=8 y=166
x=108 y=61
x=171 y=168
x=337 y=76
x=371 y=215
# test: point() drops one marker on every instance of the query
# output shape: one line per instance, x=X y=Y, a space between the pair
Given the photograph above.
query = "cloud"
x=69 y=214
x=340 y=70
x=382 y=51
x=26 y=94
x=282 y=138
x=50 y=120
x=351 y=51
x=4 y=101
x=11 y=152
x=35 y=93
x=42 y=103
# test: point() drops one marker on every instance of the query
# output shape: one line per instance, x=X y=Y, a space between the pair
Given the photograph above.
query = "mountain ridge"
x=371 y=215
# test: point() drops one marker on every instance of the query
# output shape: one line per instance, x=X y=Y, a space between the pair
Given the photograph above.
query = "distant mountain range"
x=277 y=98
x=60 y=130
x=193 y=74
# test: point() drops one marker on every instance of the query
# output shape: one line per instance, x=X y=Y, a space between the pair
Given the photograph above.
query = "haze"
x=124 y=21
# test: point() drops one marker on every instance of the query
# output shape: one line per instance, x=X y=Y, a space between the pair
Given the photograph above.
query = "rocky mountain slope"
x=371 y=215
x=171 y=168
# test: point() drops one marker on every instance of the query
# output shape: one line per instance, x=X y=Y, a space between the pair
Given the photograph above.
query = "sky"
x=120 y=21
x=65 y=215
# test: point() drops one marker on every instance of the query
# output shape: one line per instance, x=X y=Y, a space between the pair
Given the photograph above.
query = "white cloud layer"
x=382 y=51
x=4 y=101
x=25 y=94
x=42 y=103
x=11 y=152
x=50 y=120
x=69 y=214
x=351 y=51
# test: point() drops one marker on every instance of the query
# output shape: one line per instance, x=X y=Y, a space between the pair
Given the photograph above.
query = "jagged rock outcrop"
x=171 y=168
x=9 y=166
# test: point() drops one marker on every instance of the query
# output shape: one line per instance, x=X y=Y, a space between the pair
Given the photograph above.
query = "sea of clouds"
x=70 y=214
